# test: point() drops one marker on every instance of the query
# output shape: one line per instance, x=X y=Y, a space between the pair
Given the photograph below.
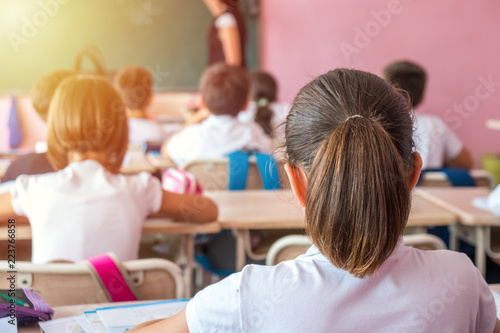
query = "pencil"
x=18 y=302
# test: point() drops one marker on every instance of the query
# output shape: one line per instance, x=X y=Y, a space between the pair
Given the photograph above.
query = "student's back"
x=352 y=167
x=413 y=291
x=87 y=208
x=216 y=130
x=434 y=140
x=41 y=95
x=135 y=85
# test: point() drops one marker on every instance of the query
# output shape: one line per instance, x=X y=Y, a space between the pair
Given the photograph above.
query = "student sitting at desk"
x=263 y=107
x=435 y=141
x=86 y=208
x=135 y=84
x=215 y=130
x=41 y=95
x=352 y=167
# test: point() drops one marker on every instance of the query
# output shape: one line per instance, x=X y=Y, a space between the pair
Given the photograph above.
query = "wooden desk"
x=153 y=226
x=259 y=209
x=458 y=200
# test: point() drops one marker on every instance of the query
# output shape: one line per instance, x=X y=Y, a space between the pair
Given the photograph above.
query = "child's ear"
x=298 y=182
x=202 y=103
x=417 y=168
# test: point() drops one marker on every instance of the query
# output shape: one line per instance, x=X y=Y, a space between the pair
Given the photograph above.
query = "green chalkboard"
x=167 y=36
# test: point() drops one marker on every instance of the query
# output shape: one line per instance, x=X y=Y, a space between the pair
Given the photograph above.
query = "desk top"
x=261 y=209
x=152 y=226
x=458 y=200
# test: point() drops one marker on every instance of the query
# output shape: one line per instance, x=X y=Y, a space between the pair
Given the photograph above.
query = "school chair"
x=214 y=174
x=287 y=248
x=439 y=178
x=424 y=242
x=292 y=246
x=76 y=283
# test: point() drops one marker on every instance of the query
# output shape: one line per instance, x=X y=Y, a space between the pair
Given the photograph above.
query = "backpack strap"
x=238 y=170
x=110 y=275
x=268 y=171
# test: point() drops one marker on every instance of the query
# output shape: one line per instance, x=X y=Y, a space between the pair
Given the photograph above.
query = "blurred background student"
x=135 y=85
x=435 y=141
x=263 y=107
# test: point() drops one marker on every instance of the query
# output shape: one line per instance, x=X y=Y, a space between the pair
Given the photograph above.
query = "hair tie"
x=353 y=116
x=262 y=102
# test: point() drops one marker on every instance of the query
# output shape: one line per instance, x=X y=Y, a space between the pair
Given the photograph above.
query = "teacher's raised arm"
x=227 y=35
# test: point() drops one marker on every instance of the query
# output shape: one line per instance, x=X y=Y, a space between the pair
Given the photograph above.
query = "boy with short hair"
x=436 y=143
x=135 y=85
x=216 y=130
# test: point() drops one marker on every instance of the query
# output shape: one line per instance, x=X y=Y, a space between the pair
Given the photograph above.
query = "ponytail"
x=351 y=192
x=264 y=116
x=263 y=90
x=351 y=133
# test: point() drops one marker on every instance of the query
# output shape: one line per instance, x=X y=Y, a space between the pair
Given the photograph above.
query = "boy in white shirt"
x=216 y=131
x=135 y=85
x=434 y=140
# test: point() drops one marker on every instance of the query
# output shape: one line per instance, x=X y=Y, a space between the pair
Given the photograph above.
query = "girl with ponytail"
x=263 y=108
x=352 y=166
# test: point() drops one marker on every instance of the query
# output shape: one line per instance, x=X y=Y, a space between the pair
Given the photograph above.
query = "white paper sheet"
x=6 y=325
x=77 y=324
x=129 y=316
x=95 y=321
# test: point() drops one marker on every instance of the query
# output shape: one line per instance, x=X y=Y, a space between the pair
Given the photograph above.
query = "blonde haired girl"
x=86 y=207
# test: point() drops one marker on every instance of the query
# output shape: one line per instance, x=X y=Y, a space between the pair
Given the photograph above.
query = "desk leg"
x=453 y=237
x=240 y=249
x=189 y=241
x=481 y=250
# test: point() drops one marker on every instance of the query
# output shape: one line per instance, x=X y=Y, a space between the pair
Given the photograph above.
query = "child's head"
x=135 y=84
x=349 y=136
x=409 y=77
x=87 y=118
x=262 y=86
x=224 y=89
x=44 y=89
x=263 y=89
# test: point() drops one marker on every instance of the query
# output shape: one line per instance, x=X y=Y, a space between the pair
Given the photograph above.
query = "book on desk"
x=114 y=319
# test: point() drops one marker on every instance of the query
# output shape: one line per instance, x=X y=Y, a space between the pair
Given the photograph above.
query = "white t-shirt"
x=216 y=137
x=141 y=130
x=413 y=291
x=85 y=210
x=225 y=20
x=280 y=111
x=435 y=141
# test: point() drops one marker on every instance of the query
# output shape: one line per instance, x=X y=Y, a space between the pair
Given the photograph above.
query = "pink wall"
x=457 y=43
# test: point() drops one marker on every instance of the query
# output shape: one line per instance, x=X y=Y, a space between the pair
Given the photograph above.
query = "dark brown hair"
x=44 y=89
x=135 y=84
x=263 y=89
x=224 y=89
x=351 y=133
x=408 y=76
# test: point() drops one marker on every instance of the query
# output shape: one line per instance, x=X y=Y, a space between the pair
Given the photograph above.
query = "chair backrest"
x=292 y=246
x=72 y=283
x=287 y=248
x=440 y=179
x=213 y=174
x=424 y=242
